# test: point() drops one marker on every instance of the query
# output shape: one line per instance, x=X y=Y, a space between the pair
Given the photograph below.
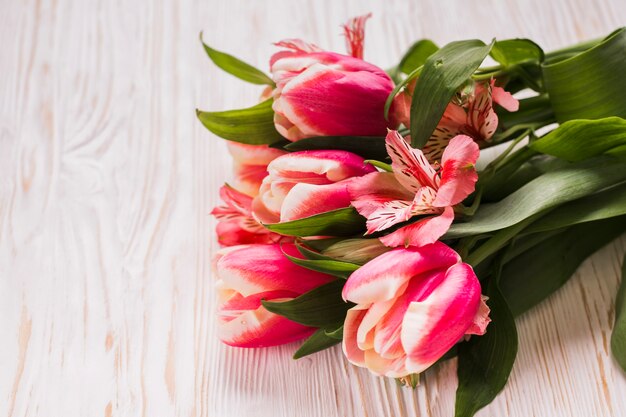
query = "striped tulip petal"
x=432 y=325
x=248 y=274
x=305 y=183
x=321 y=93
x=257 y=268
x=413 y=305
x=386 y=275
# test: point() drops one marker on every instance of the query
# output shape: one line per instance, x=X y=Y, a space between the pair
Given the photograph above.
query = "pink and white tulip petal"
x=321 y=93
x=306 y=200
x=248 y=274
x=305 y=183
x=388 y=274
x=413 y=305
x=258 y=268
x=436 y=322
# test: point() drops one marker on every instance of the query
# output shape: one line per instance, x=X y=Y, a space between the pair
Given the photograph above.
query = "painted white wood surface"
x=107 y=178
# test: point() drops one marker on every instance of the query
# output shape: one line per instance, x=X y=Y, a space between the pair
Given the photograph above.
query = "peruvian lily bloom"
x=416 y=189
x=236 y=226
x=321 y=93
x=248 y=274
x=413 y=305
x=301 y=184
x=250 y=165
x=470 y=113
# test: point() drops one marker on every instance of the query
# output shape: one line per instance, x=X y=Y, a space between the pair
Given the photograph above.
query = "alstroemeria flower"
x=301 y=184
x=236 y=226
x=469 y=113
x=248 y=274
x=416 y=189
x=321 y=93
x=250 y=165
x=413 y=305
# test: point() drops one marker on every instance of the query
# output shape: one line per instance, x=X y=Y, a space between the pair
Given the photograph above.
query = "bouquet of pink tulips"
x=364 y=209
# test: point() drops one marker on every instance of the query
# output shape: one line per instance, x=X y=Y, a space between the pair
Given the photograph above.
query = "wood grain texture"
x=107 y=179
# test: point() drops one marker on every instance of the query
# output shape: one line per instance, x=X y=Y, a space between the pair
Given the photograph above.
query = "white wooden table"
x=107 y=179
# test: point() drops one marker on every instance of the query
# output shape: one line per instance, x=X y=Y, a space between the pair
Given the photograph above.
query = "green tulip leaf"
x=603 y=205
x=511 y=52
x=253 y=126
x=327 y=266
x=320 y=307
x=340 y=222
x=318 y=341
x=236 y=67
x=444 y=72
x=485 y=362
x=335 y=333
x=417 y=55
x=536 y=273
x=577 y=140
x=549 y=190
x=590 y=85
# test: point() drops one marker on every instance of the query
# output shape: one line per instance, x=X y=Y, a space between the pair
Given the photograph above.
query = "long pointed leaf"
x=320 y=307
x=577 y=140
x=341 y=222
x=546 y=191
x=254 y=125
x=485 y=362
x=236 y=67
x=443 y=74
x=536 y=273
x=317 y=342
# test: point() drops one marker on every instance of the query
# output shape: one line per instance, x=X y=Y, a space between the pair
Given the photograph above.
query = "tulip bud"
x=321 y=93
x=357 y=251
x=305 y=183
x=413 y=305
x=246 y=275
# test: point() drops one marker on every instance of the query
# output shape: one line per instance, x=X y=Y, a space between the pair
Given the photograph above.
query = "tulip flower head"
x=236 y=226
x=321 y=93
x=248 y=274
x=301 y=184
x=413 y=305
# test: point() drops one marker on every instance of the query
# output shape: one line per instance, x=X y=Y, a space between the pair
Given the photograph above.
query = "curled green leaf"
x=236 y=67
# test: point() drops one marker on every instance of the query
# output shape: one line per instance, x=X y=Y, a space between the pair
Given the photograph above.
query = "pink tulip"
x=470 y=113
x=413 y=305
x=321 y=93
x=250 y=165
x=236 y=226
x=416 y=189
x=305 y=183
x=248 y=274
